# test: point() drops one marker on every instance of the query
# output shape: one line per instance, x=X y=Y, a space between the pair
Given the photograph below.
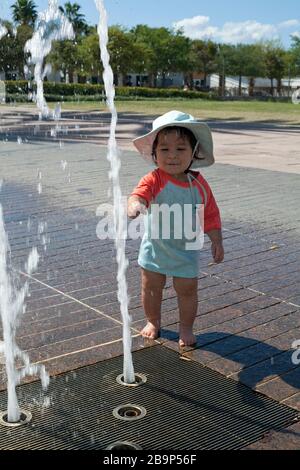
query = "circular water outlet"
x=140 y=379
x=123 y=445
x=129 y=412
x=25 y=418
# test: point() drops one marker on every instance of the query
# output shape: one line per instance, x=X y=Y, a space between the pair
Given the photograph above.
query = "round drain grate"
x=140 y=379
x=129 y=412
x=123 y=445
x=25 y=418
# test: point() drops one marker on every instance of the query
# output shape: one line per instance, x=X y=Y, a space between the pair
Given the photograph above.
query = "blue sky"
x=221 y=20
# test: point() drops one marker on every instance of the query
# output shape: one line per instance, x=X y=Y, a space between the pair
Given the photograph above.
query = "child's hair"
x=183 y=132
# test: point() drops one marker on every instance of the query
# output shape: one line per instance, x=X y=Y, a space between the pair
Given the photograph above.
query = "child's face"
x=173 y=153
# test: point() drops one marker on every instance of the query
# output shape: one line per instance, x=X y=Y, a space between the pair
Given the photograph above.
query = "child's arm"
x=212 y=222
x=217 y=249
x=136 y=206
x=142 y=195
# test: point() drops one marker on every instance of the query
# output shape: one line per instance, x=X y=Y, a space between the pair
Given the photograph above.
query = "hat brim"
x=202 y=133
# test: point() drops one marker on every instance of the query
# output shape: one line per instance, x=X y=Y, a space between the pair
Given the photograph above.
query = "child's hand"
x=135 y=208
x=217 y=251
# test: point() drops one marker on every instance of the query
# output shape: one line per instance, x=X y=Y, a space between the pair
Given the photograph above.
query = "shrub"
x=62 y=91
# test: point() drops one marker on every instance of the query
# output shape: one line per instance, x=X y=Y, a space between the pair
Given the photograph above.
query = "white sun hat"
x=201 y=131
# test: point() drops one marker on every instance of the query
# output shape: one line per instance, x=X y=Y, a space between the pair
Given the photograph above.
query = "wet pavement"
x=249 y=306
x=271 y=145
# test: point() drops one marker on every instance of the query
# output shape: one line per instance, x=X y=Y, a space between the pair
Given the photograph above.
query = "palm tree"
x=24 y=12
x=71 y=10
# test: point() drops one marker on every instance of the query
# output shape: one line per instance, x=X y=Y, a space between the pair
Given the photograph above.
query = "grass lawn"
x=253 y=111
x=230 y=110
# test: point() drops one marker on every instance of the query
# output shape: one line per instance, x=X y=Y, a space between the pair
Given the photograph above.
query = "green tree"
x=24 y=12
x=89 y=63
x=204 y=57
x=12 y=56
x=294 y=56
x=142 y=36
x=165 y=51
x=256 y=66
x=237 y=63
x=64 y=57
x=275 y=64
x=246 y=60
x=223 y=61
x=76 y=18
x=125 y=54
x=178 y=54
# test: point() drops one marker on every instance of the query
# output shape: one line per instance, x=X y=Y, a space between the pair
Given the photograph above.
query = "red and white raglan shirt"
x=164 y=245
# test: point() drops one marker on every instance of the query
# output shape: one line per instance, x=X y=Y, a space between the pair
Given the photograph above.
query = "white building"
x=171 y=80
x=261 y=86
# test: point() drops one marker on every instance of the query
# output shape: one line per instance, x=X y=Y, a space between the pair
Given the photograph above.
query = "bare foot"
x=186 y=337
x=151 y=331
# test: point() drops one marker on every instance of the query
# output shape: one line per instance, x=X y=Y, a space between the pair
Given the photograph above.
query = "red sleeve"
x=148 y=187
x=212 y=218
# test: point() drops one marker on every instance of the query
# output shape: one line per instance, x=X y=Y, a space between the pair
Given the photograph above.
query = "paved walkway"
x=248 y=307
x=270 y=146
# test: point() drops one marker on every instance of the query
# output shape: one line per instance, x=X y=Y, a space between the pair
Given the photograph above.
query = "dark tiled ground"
x=286 y=439
x=248 y=306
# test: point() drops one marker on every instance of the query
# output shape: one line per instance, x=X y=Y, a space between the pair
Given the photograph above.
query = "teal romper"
x=167 y=252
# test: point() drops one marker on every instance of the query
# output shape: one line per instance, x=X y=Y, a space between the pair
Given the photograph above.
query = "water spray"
x=51 y=26
x=120 y=217
x=11 y=308
x=3 y=31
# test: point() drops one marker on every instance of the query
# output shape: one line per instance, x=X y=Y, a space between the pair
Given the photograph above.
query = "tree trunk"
x=240 y=85
x=222 y=81
x=191 y=80
x=122 y=79
x=151 y=80
x=272 y=86
x=279 y=86
x=82 y=79
x=251 y=86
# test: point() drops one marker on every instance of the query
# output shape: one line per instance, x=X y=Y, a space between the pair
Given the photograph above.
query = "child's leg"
x=152 y=291
x=186 y=290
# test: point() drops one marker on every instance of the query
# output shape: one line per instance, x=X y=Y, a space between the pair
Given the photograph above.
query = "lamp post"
x=289 y=81
x=224 y=78
x=223 y=84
